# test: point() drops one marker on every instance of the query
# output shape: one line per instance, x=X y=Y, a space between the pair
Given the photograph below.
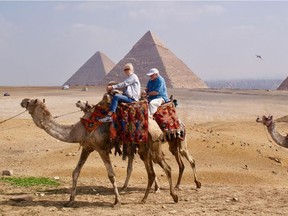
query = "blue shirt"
x=158 y=85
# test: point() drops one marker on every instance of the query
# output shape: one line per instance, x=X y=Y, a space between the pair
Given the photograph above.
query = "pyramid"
x=283 y=85
x=149 y=52
x=92 y=72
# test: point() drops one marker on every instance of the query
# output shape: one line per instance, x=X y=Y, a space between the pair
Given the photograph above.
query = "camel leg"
x=185 y=153
x=167 y=170
x=129 y=171
x=83 y=157
x=156 y=184
x=151 y=177
x=111 y=175
x=173 y=148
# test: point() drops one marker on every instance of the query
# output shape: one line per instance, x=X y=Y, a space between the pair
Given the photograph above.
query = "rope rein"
x=12 y=117
x=66 y=114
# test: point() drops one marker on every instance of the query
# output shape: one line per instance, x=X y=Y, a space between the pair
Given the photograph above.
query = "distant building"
x=149 y=52
x=92 y=72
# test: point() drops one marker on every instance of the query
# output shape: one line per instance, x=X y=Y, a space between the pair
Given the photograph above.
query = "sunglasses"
x=126 y=69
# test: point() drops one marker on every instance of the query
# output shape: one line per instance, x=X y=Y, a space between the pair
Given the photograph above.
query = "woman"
x=131 y=91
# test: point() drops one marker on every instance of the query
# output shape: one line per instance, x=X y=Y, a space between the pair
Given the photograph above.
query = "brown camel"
x=177 y=147
x=98 y=140
x=271 y=127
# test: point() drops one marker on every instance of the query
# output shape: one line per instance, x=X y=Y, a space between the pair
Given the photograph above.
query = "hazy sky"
x=46 y=42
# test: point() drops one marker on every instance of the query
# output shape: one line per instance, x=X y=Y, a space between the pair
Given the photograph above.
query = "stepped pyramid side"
x=283 y=85
x=92 y=72
x=149 y=52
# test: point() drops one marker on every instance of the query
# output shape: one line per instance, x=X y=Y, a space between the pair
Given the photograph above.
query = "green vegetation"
x=30 y=181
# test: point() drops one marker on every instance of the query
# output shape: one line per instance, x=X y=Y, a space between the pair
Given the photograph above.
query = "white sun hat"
x=152 y=71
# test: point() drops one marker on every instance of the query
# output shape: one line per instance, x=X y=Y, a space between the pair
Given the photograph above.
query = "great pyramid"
x=92 y=72
x=149 y=52
x=283 y=85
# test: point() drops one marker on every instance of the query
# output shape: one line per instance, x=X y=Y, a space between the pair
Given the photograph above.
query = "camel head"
x=267 y=121
x=107 y=98
x=31 y=104
x=84 y=105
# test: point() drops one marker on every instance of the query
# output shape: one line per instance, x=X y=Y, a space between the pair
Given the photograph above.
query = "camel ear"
x=36 y=100
x=43 y=100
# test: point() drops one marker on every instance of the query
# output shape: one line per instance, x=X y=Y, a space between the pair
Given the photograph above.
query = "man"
x=156 y=90
x=131 y=91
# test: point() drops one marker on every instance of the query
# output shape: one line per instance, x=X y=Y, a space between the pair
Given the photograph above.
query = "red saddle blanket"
x=167 y=119
x=130 y=124
x=91 y=122
x=129 y=127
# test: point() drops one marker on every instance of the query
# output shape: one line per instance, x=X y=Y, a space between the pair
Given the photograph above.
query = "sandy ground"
x=241 y=170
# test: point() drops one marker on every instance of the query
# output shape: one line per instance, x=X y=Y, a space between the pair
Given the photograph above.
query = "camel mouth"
x=25 y=102
x=78 y=104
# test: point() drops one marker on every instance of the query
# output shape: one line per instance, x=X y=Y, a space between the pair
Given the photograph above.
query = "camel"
x=99 y=141
x=271 y=127
x=177 y=147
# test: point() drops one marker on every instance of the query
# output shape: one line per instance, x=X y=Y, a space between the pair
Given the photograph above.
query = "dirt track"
x=234 y=155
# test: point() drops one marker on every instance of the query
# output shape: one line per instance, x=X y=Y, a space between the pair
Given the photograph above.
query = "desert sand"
x=242 y=171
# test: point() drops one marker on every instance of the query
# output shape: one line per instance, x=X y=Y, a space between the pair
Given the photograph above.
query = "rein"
x=12 y=117
x=66 y=114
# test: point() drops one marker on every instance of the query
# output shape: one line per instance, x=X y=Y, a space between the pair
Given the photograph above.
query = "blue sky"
x=46 y=42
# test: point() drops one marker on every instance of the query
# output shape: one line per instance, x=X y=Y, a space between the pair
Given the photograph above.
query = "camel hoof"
x=124 y=188
x=198 y=184
x=117 y=202
x=177 y=187
x=143 y=201
x=69 y=204
x=175 y=198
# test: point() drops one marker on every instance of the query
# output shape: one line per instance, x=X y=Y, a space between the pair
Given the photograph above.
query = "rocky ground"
x=241 y=170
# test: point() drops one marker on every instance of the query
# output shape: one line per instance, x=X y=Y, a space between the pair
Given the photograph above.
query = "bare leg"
x=111 y=175
x=83 y=157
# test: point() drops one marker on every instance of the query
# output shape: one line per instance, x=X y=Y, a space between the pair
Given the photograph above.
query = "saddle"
x=167 y=119
x=98 y=111
x=130 y=126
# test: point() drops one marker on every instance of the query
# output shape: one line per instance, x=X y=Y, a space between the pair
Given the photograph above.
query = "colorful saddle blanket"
x=91 y=123
x=130 y=125
x=167 y=119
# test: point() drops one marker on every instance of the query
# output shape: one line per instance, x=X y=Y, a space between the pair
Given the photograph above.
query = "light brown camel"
x=99 y=141
x=271 y=127
x=177 y=147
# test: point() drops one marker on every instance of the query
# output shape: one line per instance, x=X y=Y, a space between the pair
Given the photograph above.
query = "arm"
x=129 y=81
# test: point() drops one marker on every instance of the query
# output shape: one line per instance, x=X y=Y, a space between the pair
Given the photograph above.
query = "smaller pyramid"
x=92 y=72
x=283 y=85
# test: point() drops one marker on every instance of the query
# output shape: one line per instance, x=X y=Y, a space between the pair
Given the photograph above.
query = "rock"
x=21 y=198
x=7 y=172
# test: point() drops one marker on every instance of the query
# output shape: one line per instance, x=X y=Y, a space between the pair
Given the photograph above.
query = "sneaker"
x=106 y=119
